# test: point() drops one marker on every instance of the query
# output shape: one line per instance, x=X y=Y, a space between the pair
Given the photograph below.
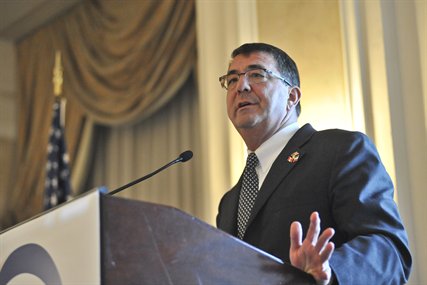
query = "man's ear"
x=294 y=97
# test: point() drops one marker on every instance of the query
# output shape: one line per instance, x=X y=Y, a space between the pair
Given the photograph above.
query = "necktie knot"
x=252 y=161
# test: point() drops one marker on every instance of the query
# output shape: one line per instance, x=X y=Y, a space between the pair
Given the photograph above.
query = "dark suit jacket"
x=338 y=174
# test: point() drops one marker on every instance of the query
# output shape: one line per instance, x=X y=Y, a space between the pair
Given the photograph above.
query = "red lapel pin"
x=293 y=157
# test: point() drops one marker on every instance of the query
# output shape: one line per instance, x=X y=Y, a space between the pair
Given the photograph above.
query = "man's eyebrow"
x=255 y=66
x=233 y=71
x=252 y=66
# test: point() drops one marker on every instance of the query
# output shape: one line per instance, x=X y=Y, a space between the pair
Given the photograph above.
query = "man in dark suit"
x=295 y=176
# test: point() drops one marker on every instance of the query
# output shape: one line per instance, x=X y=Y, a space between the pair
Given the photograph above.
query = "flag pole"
x=57 y=183
x=57 y=75
x=58 y=80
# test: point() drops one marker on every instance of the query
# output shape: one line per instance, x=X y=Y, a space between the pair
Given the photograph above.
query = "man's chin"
x=246 y=120
x=246 y=124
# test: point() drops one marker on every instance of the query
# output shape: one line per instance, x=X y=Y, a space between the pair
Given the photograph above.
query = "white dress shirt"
x=271 y=148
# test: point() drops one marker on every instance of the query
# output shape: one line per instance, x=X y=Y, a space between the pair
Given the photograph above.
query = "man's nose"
x=243 y=84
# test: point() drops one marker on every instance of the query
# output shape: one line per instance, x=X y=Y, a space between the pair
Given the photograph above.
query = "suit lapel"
x=229 y=212
x=284 y=163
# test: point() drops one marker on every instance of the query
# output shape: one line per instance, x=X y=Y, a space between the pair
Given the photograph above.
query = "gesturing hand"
x=313 y=254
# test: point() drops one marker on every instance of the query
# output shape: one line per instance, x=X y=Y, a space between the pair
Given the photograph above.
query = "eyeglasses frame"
x=222 y=79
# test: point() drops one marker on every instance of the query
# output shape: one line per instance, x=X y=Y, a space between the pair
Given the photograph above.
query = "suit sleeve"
x=364 y=211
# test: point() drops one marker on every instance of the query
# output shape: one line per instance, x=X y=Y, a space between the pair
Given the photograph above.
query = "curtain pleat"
x=125 y=153
x=135 y=56
x=122 y=60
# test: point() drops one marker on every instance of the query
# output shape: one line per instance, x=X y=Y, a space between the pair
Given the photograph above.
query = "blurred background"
x=141 y=83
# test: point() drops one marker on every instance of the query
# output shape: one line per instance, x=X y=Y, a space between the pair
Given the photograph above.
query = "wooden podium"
x=101 y=239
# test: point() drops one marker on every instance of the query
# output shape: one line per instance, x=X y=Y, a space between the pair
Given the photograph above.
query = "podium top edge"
x=102 y=191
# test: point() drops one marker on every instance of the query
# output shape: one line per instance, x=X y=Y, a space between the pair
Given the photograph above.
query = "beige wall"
x=309 y=31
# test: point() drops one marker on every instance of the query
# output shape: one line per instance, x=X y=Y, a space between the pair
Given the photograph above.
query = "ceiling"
x=19 y=17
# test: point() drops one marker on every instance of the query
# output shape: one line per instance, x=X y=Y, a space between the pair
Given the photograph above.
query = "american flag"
x=57 y=184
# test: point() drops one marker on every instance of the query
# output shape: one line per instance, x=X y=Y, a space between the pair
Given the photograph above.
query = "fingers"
x=313 y=229
x=296 y=235
x=320 y=245
x=324 y=239
x=312 y=255
x=327 y=252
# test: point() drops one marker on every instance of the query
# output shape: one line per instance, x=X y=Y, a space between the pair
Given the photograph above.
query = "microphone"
x=183 y=157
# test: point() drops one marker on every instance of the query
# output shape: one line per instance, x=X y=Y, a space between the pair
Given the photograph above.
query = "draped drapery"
x=125 y=153
x=134 y=57
x=123 y=61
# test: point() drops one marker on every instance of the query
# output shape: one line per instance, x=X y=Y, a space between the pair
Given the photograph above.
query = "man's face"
x=261 y=105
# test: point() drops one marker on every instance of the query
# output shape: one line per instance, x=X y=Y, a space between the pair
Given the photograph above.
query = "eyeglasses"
x=254 y=76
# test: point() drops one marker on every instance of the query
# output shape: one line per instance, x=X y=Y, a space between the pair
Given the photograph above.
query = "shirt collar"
x=268 y=151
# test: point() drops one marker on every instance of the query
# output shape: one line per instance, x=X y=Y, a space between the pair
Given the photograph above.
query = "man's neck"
x=255 y=137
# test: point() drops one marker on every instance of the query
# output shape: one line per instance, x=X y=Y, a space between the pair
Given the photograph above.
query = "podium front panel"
x=61 y=246
x=150 y=244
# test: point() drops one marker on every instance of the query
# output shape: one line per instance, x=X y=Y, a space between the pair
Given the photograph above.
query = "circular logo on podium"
x=30 y=259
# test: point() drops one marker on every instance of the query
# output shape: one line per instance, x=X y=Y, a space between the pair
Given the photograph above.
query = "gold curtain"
x=123 y=60
x=124 y=153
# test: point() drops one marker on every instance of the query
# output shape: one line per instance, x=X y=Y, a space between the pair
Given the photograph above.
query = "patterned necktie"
x=248 y=194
